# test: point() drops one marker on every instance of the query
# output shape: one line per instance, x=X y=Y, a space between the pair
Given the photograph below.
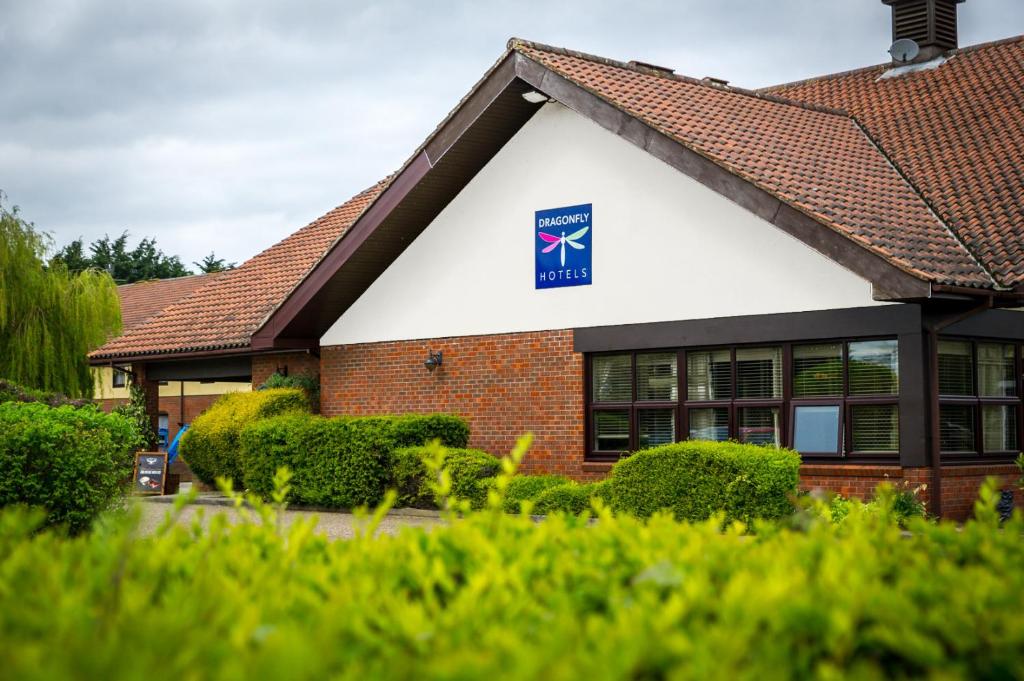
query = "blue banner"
x=563 y=246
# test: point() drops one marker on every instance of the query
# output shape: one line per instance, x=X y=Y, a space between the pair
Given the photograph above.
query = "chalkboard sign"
x=150 y=473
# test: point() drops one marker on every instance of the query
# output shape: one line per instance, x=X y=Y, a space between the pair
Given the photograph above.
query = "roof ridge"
x=515 y=43
x=165 y=279
x=884 y=65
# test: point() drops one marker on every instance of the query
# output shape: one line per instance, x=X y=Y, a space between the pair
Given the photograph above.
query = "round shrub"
x=528 y=487
x=410 y=430
x=210 y=446
x=570 y=498
x=74 y=462
x=696 y=479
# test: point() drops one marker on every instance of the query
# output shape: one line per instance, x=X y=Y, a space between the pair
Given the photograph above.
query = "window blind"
x=656 y=377
x=956 y=428
x=759 y=426
x=876 y=428
x=710 y=423
x=874 y=368
x=613 y=378
x=656 y=427
x=996 y=370
x=956 y=368
x=759 y=373
x=709 y=375
x=611 y=430
x=818 y=370
x=999 y=428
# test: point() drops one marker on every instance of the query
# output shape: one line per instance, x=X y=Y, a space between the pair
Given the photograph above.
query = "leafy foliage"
x=211 y=447
x=72 y=462
x=135 y=411
x=124 y=264
x=571 y=498
x=500 y=596
x=50 y=318
x=212 y=263
x=697 y=479
x=341 y=462
x=469 y=473
x=309 y=384
x=12 y=392
x=528 y=487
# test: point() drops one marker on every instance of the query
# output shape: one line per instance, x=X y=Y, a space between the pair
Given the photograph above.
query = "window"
x=979 y=393
x=826 y=399
x=120 y=377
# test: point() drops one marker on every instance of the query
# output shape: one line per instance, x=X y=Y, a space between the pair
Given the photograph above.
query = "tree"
x=125 y=265
x=50 y=317
x=212 y=263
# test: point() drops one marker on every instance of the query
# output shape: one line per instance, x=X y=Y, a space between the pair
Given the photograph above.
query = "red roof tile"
x=144 y=299
x=957 y=131
x=817 y=160
x=225 y=312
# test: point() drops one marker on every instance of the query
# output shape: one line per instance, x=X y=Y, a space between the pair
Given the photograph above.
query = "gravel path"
x=334 y=525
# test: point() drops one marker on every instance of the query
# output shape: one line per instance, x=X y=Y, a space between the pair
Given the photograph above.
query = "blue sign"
x=563 y=246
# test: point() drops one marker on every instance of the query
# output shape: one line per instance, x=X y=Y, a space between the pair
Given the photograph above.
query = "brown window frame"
x=785 y=404
x=978 y=403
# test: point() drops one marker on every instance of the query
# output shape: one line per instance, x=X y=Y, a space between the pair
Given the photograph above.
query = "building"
x=612 y=256
x=179 y=401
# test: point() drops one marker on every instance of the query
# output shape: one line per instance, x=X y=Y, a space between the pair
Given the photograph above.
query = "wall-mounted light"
x=534 y=97
x=434 y=360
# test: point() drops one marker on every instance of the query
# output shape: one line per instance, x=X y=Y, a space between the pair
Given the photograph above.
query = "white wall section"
x=664 y=248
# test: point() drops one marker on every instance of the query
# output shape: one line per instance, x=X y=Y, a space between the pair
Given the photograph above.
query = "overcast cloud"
x=227 y=124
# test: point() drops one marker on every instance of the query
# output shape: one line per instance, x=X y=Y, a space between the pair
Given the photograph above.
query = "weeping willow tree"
x=49 y=318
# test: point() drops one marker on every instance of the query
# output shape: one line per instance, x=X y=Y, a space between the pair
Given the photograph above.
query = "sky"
x=225 y=125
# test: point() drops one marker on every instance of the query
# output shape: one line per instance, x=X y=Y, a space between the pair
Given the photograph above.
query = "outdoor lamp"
x=433 y=360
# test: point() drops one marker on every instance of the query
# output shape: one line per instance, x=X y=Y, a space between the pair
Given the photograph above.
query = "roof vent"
x=651 y=67
x=931 y=24
x=717 y=82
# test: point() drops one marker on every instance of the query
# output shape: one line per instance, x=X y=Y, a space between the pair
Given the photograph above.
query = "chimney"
x=929 y=23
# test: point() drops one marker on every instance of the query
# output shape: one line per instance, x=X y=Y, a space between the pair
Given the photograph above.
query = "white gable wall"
x=664 y=248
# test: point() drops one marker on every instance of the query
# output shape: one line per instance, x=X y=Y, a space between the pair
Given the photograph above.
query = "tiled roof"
x=143 y=299
x=957 y=131
x=816 y=159
x=225 y=312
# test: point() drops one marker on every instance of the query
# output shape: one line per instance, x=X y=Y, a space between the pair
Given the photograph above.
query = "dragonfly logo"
x=563 y=246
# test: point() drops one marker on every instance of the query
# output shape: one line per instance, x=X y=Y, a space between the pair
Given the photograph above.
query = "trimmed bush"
x=13 y=392
x=210 y=447
x=343 y=462
x=696 y=479
x=495 y=596
x=470 y=471
x=528 y=487
x=75 y=463
x=572 y=498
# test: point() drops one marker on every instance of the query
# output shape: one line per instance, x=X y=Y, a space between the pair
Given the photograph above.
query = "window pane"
x=818 y=370
x=816 y=429
x=613 y=378
x=874 y=368
x=708 y=375
x=611 y=430
x=956 y=428
x=876 y=428
x=999 y=428
x=656 y=376
x=996 y=374
x=956 y=368
x=709 y=424
x=759 y=372
x=760 y=426
x=656 y=426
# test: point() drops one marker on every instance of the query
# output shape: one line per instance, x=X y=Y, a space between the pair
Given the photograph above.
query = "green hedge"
x=528 y=487
x=339 y=462
x=74 y=462
x=502 y=597
x=696 y=479
x=14 y=392
x=210 y=446
x=571 y=498
x=469 y=470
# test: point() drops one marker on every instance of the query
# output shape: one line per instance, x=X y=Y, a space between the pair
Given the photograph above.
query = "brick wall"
x=505 y=385
x=297 y=363
x=960 y=484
